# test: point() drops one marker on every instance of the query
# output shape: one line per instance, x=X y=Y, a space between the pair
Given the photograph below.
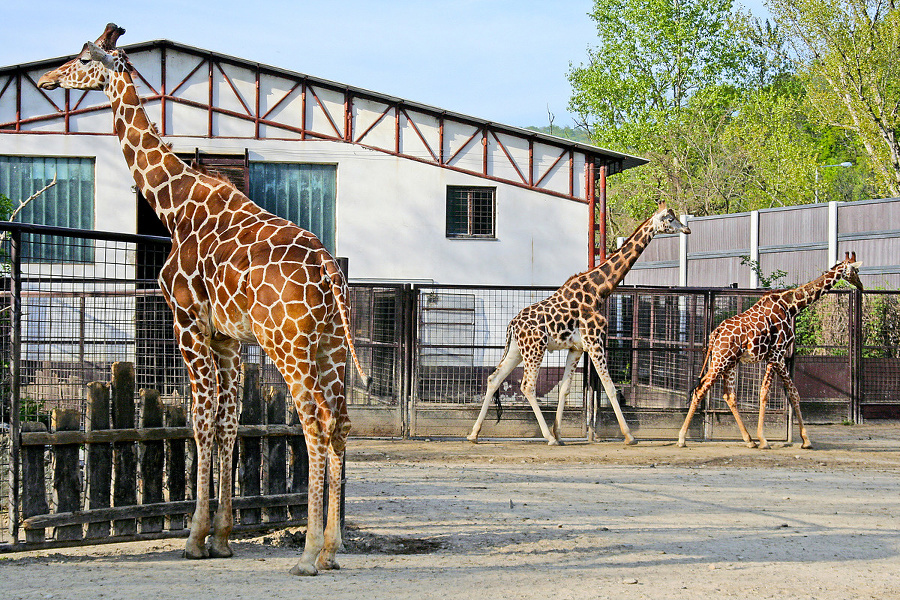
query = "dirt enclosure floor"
x=511 y=520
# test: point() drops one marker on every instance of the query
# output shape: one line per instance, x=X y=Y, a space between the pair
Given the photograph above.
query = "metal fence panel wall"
x=800 y=241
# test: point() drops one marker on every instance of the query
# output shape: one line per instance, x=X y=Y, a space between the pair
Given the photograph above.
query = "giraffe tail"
x=502 y=358
x=709 y=345
x=335 y=279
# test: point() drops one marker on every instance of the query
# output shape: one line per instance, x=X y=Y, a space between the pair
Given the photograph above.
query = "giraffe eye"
x=84 y=61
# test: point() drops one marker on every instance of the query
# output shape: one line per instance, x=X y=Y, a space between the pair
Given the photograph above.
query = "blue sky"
x=501 y=60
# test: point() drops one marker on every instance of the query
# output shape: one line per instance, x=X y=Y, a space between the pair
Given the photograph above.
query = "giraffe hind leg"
x=330 y=362
x=495 y=380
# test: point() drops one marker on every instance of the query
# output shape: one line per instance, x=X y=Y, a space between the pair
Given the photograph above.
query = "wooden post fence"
x=135 y=478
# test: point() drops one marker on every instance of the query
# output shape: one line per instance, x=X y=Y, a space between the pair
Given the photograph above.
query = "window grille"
x=471 y=212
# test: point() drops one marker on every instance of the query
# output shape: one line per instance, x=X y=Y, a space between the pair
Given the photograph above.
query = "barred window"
x=471 y=212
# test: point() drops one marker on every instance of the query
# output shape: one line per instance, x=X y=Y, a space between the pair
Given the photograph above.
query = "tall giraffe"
x=572 y=319
x=236 y=273
x=763 y=333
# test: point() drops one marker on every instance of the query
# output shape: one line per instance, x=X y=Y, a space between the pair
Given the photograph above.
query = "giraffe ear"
x=100 y=55
x=856 y=265
x=662 y=205
x=853 y=257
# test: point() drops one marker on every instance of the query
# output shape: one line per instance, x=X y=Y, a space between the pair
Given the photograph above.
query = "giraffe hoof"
x=763 y=446
x=302 y=570
x=751 y=444
x=220 y=551
x=195 y=552
x=629 y=440
x=807 y=446
x=681 y=444
x=554 y=442
x=472 y=438
x=327 y=564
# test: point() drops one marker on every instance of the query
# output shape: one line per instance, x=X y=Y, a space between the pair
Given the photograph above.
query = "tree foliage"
x=714 y=100
x=847 y=53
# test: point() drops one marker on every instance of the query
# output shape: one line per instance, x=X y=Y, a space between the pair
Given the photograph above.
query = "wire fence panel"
x=84 y=300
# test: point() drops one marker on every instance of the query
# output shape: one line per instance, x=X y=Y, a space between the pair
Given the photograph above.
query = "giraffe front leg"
x=599 y=359
x=730 y=397
x=794 y=397
x=763 y=400
x=197 y=358
x=195 y=546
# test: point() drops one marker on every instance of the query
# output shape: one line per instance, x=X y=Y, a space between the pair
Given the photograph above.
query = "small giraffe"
x=572 y=319
x=764 y=332
x=236 y=273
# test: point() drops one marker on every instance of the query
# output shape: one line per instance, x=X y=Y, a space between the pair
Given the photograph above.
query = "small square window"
x=471 y=212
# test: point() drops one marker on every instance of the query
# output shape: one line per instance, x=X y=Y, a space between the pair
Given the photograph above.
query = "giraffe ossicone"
x=572 y=319
x=763 y=333
x=236 y=273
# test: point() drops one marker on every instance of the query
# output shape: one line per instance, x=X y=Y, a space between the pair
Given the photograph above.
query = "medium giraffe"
x=763 y=333
x=572 y=319
x=236 y=273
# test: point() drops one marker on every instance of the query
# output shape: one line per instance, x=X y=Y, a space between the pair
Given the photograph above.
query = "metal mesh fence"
x=880 y=348
x=461 y=335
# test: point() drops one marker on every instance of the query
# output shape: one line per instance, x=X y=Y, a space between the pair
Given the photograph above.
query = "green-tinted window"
x=302 y=193
x=70 y=203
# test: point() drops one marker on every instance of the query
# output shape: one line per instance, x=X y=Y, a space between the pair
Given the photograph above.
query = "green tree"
x=651 y=57
x=846 y=51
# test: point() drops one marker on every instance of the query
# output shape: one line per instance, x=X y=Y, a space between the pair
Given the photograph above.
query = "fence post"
x=66 y=473
x=251 y=452
x=276 y=480
x=98 y=456
x=15 y=364
x=124 y=459
x=152 y=459
x=34 y=497
x=176 y=467
x=856 y=347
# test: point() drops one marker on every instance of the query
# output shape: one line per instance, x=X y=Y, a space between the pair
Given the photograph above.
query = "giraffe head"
x=90 y=69
x=665 y=221
x=848 y=269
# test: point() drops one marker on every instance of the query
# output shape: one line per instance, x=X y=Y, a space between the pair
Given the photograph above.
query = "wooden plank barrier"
x=98 y=456
x=34 y=495
x=152 y=460
x=251 y=447
x=136 y=479
x=276 y=480
x=124 y=455
x=66 y=473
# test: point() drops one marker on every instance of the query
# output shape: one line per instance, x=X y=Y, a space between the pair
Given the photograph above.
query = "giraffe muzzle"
x=46 y=82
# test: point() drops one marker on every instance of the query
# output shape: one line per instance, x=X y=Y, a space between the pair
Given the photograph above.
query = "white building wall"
x=391 y=213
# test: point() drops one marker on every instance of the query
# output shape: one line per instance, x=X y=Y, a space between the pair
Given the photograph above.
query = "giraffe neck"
x=153 y=165
x=804 y=295
x=605 y=277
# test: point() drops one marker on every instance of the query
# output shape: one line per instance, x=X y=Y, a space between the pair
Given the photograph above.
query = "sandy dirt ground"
x=507 y=520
